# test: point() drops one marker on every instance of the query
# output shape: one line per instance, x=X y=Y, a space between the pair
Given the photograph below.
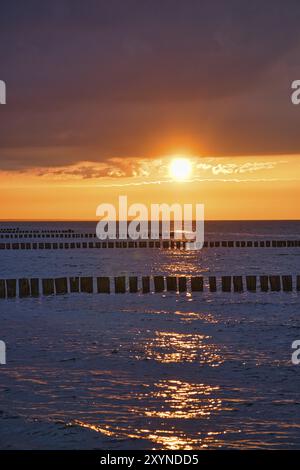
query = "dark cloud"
x=121 y=78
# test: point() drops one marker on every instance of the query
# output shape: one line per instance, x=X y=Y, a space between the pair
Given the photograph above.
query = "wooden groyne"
x=34 y=287
x=164 y=244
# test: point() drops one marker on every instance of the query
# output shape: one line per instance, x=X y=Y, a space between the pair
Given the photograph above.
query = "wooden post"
x=298 y=283
x=74 y=284
x=238 y=283
x=24 y=288
x=48 y=286
x=197 y=284
x=264 y=285
x=159 y=284
x=103 y=285
x=11 y=288
x=212 y=283
x=275 y=283
x=61 y=285
x=34 y=287
x=251 y=283
x=287 y=283
x=146 y=284
x=226 y=283
x=171 y=284
x=86 y=285
x=120 y=285
x=2 y=289
x=182 y=284
x=133 y=284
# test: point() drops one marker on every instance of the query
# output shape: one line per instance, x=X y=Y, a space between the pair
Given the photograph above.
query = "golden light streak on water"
x=172 y=439
x=168 y=347
x=183 y=400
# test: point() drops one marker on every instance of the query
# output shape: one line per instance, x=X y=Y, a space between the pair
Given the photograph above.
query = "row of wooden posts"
x=148 y=244
x=18 y=231
x=25 y=287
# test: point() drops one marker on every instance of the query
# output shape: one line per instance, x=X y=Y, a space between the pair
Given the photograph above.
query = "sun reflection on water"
x=171 y=400
x=189 y=317
x=168 y=347
x=183 y=400
x=172 y=439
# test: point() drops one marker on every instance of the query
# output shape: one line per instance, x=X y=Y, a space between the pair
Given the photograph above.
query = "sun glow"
x=180 y=169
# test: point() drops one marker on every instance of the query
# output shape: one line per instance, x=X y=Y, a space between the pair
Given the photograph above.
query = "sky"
x=101 y=96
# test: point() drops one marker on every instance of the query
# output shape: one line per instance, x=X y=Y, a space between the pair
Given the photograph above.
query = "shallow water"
x=208 y=370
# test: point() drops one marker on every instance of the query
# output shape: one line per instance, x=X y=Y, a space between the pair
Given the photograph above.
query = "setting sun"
x=180 y=169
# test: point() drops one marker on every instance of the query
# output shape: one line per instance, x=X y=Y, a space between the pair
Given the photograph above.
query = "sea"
x=196 y=370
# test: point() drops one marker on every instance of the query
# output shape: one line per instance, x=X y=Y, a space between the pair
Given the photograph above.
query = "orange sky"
x=99 y=99
x=263 y=187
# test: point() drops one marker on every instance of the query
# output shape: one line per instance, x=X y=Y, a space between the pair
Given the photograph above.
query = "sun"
x=180 y=169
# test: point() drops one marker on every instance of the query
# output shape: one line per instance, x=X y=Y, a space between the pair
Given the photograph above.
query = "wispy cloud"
x=119 y=172
x=240 y=168
x=154 y=168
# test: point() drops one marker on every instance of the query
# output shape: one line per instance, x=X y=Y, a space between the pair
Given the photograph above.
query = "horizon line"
x=172 y=220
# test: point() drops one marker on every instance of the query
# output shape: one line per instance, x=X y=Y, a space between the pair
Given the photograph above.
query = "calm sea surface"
x=156 y=371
